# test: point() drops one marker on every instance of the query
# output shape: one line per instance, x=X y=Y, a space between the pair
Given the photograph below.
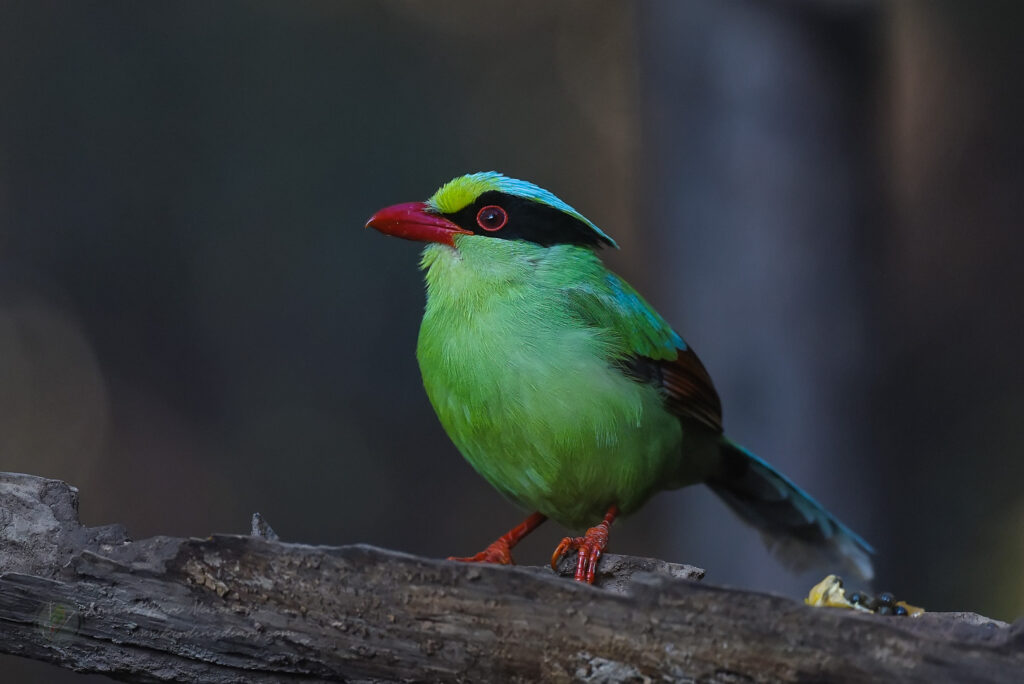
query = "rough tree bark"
x=232 y=608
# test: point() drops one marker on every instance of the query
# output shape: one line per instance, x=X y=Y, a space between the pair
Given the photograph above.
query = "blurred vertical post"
x=953 y=318
x=759 y=157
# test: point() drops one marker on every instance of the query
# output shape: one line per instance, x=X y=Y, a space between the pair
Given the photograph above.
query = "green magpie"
x=566 y=390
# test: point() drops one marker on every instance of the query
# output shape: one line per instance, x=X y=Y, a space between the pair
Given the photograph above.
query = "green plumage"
x=517 y=350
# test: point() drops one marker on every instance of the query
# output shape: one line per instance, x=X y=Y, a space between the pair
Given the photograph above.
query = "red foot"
x=500 y=551
x=590 y=546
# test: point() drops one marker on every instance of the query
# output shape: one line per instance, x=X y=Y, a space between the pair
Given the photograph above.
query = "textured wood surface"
x=234 y=608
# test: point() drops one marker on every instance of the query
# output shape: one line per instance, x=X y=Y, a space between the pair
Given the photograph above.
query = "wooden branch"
x=232 y=608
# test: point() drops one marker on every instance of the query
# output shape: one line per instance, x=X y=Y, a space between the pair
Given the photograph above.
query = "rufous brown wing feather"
x=687 y=387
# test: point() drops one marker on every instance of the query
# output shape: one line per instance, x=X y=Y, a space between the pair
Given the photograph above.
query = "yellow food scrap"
x=912 y=611
x=828 y=592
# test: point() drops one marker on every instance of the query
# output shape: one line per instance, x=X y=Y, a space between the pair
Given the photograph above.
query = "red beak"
x=415 y=221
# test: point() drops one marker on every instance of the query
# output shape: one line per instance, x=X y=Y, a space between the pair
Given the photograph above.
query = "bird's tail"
x=795 y=527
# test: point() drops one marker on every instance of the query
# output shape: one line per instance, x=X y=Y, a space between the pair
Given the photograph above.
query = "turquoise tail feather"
x=796 y=528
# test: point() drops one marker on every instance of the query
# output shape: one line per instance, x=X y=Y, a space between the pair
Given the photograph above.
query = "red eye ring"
x=492 y=218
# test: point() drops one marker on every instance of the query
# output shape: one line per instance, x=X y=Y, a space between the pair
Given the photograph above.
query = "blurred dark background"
x=826 y=199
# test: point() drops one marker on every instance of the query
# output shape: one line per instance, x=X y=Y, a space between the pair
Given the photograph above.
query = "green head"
x=490 y=204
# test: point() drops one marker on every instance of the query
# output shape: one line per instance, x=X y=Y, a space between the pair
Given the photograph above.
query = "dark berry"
x=899 y=610
x=884 y=610
x=886 y=598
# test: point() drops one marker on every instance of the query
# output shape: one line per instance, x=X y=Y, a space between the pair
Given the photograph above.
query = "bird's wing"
x=651 y=351
x=685 y=383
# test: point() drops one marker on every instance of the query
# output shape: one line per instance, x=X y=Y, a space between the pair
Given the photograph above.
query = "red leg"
x=590 y=546
x=501 y=550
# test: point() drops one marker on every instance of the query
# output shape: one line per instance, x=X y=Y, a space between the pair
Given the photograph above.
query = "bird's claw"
x=589 y=547
x=499 y=553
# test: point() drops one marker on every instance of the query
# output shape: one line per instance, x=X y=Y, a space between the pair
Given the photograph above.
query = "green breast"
x=530 y=397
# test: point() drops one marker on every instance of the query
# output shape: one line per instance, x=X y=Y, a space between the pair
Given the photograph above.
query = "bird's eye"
x=491 y=217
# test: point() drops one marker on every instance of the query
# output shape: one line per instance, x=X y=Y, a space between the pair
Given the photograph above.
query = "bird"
x=569 y=393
